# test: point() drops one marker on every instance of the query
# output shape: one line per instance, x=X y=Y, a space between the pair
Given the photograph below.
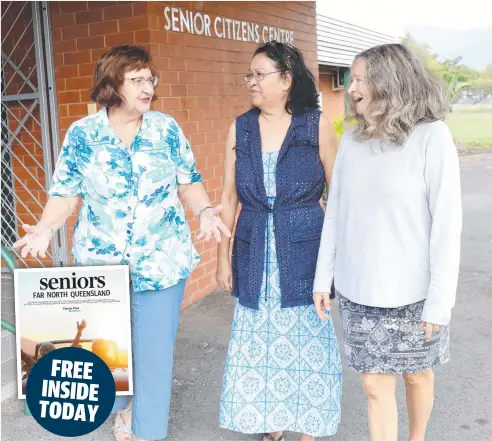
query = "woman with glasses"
x=131 y=167
x=283 y=369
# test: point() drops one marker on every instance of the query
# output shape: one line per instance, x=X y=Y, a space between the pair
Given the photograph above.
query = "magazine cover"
x=86 y=307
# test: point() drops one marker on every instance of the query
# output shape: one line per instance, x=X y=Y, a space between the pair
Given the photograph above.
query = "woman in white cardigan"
x=391 y=237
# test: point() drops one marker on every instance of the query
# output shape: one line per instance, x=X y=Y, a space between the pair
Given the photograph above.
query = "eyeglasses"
x=140 y=81
x=259 y=76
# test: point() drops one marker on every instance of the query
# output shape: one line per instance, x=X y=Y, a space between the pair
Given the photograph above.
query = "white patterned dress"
x=283 y=370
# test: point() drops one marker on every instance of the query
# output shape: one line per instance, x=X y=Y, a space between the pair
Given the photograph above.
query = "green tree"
x=455 y=86
x=423 y=51
x=454 y=69
x=459 y=77
x=480 y=88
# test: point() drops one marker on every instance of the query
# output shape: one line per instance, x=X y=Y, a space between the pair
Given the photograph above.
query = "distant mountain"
x=474 y=45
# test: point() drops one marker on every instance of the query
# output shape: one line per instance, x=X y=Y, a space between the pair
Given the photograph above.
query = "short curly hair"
x=109 y=73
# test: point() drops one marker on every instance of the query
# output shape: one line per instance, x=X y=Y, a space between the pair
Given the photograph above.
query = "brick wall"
x=201 y=78
x=333 y=100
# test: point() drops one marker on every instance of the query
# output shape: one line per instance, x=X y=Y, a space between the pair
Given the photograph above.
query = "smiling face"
x=269 y=88
x=137 y=91
x=358 y=90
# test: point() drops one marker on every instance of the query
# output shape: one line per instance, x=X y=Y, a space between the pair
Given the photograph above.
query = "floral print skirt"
x=390 y=340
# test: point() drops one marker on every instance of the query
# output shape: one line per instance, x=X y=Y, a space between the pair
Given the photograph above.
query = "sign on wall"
x=197 y=23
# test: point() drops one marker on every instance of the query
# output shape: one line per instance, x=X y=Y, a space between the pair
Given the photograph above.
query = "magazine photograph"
x=85 y=307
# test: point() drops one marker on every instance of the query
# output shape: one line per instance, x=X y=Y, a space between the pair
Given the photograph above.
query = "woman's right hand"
x=322 y=304
x=36 y=241
x=224 y=276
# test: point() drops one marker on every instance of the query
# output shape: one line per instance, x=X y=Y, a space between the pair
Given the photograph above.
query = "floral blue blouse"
x=130 y=210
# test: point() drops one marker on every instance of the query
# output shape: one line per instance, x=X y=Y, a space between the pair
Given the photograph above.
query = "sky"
x=392 y=17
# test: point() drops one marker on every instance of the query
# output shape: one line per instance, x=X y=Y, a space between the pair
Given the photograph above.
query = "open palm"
x=35 y=242
x=211 y=225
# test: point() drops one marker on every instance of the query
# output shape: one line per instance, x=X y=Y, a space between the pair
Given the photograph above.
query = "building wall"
x=333 y=100
x=201 y=78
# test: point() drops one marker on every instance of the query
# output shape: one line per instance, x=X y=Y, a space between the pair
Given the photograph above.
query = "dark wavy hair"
x=288 y=59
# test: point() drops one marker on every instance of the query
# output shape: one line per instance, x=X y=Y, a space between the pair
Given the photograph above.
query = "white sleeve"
x=325 y=267
x=442 y=178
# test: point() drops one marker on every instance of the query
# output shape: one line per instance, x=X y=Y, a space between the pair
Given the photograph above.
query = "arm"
x=192 y=192
x=80 y=327
x=442 y=178
x=57 y=210
x=28 y=360
x=229 y=201
x=327 y=146
x=38 y=237
x=194 y=196
x=326 y=258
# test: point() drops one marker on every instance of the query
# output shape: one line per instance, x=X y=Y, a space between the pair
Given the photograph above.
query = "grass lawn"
x=472 y=125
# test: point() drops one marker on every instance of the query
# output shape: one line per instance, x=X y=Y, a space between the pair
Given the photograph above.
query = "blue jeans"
x=155 y=318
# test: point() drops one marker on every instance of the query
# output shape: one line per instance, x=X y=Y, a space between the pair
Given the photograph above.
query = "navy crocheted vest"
x=297 y=214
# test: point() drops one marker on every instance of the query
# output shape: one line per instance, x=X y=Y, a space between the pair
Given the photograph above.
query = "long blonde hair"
x=404 y=93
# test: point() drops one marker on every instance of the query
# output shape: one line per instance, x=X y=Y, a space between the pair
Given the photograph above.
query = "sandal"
x=122 y=429
x=269 y=437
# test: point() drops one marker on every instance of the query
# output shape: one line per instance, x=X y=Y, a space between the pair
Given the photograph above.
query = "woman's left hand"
x=322 y=304
x=211 y=224
x=430 y=328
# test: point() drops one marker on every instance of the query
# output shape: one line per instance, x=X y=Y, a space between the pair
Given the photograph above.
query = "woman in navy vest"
x=283 y=370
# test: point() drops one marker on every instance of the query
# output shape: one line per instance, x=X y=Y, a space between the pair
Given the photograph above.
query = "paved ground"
x=463 y=409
